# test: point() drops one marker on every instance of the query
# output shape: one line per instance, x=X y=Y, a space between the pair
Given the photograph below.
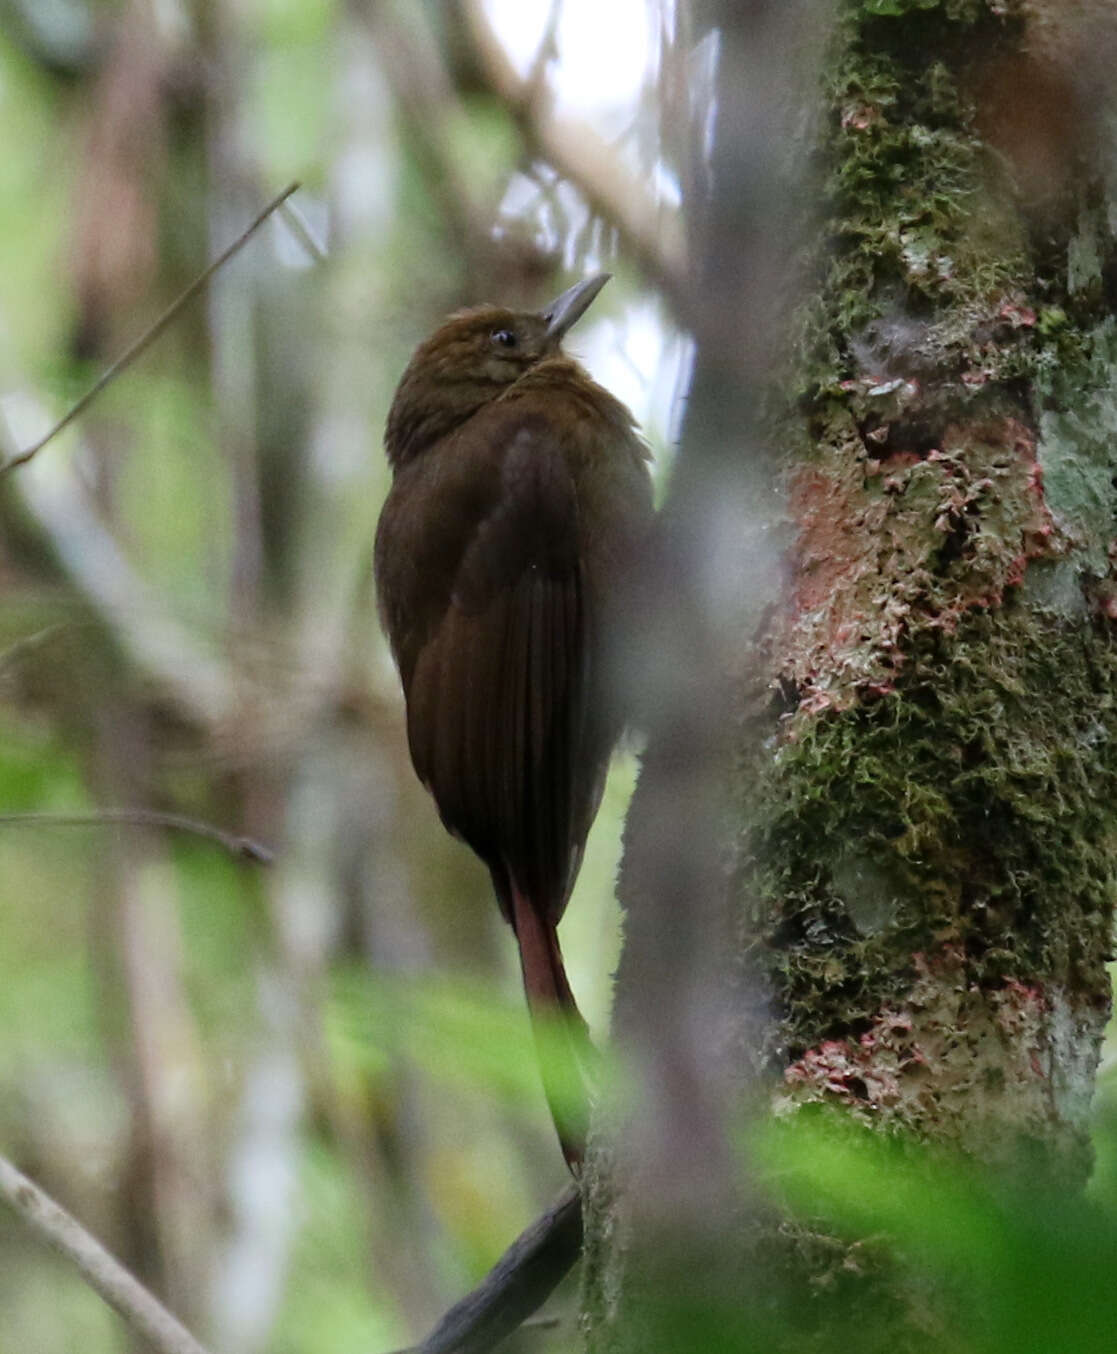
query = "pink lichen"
x=954 y=528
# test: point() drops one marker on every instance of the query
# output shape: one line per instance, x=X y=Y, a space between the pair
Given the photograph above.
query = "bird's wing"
x=496 y=695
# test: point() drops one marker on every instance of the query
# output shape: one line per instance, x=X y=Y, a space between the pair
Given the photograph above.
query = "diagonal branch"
x=652 y=235
x=247 y=848
x=148 y=337
x=520 y=1282
x=121 y=1290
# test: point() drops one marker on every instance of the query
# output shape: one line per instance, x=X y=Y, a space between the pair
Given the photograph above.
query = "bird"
x=507 y=561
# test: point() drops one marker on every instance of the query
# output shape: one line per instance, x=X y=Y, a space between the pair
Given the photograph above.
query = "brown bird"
x=519 y=506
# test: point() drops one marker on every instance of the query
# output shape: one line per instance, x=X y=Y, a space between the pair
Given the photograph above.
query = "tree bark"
x=920 y=734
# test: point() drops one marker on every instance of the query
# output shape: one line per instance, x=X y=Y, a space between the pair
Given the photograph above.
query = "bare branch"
x=148 y=337
x=105 y=1275
x=245 y=847
x=520 y=1281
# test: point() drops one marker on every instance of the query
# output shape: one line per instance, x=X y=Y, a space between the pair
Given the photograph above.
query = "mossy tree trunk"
x=924 y=745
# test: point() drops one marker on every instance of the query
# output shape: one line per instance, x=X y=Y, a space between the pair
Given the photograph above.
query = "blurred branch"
x=28 y=643
x=547 y=50
x=69 y=50
x=247 y=848
x=415 y=67
x=671 y=1211
x=91 y=553
x=520 y=1281
x=186 y=668
x=105 y=1275
x=574 y=148
x=298 y=226
x=148 y=337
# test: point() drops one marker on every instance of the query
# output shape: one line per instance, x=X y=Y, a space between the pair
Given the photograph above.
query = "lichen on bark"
x=938 y=796
x=935 y=798
x=935 y=860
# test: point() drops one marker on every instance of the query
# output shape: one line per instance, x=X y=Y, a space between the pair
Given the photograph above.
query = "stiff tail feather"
x=566 y=1055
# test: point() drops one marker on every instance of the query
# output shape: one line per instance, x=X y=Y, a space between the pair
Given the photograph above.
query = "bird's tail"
x=566 y=1055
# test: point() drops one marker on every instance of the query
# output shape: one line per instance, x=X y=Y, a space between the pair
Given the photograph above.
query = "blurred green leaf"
x=456 y=1031
x=1032 y=1262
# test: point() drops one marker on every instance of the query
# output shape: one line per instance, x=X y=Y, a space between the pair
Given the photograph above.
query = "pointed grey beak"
x=572 y=305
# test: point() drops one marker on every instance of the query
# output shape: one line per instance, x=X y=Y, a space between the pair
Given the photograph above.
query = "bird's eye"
x=504 y=337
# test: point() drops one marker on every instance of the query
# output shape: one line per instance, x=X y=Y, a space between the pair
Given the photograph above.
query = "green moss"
x=976 y=782
x=979 y=795
x=918 y=222
x=964 y=12
x=1077 y=405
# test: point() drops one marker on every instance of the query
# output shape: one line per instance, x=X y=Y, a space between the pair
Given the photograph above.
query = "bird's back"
x=503 y=558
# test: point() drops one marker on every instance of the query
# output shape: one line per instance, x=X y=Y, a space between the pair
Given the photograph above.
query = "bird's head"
x=472 y=359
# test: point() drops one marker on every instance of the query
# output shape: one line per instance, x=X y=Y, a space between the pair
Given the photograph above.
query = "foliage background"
x=300 y=1102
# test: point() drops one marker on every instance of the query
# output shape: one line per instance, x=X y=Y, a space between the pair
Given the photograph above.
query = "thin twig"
x=28 y=643
x=297 y=224
x=245 y=847
x=148 y=337
x=105 y=1275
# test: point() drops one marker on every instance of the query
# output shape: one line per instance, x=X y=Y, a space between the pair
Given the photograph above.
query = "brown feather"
x=519 y=504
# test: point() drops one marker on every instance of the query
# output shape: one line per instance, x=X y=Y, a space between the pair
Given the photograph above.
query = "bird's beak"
x=572 y=305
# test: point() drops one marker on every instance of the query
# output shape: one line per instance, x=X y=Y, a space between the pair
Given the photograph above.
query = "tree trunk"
x=922 y=732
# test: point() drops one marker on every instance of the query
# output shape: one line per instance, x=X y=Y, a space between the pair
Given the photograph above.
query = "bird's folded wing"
x=497 y=694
